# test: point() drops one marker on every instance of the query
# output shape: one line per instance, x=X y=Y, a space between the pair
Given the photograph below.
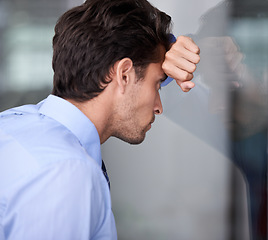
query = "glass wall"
x=250 y=106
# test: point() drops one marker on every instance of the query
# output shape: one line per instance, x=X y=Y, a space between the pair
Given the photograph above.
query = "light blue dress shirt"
x=51 y=182
x=169 y=79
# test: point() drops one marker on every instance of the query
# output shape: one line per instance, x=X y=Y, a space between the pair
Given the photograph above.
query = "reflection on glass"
x=250 y=106
x=229 y=108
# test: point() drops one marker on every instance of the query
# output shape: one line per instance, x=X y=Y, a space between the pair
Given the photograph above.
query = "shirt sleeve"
x=68 y=200
x=172 y=39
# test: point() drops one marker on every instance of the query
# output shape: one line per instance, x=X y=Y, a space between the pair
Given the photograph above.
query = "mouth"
x=152 y=120
x=150 y=124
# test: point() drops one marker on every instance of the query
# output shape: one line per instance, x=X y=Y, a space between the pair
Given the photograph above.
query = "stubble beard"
x=130 y=136
x=127 y=128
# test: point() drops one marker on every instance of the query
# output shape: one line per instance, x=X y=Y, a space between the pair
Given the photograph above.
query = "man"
x=109 y=63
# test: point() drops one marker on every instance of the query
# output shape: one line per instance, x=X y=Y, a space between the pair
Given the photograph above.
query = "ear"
x=125 y=73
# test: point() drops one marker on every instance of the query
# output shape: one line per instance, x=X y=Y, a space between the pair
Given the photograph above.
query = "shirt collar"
x=72 y=118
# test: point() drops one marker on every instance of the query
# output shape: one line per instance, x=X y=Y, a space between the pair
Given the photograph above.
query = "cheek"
x=147 y=102
x=146 y=99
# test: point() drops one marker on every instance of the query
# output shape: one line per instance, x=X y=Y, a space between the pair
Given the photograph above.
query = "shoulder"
x=38 y=135
x=40 y=145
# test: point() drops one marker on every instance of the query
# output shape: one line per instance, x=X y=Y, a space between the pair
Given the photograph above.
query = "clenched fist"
x=180 y=62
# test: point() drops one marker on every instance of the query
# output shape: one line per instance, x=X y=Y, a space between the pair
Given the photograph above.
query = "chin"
x=131 y=139
x=136 y=141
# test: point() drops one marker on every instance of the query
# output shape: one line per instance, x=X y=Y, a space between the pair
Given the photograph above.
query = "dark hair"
x=91 y=38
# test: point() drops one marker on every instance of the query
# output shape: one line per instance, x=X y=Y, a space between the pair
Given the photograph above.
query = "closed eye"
x=162 y=80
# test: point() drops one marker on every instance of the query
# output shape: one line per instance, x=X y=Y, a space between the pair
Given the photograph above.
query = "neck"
x=98 y=111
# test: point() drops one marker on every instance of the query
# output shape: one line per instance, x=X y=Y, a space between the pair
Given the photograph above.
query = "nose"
x=158 y=109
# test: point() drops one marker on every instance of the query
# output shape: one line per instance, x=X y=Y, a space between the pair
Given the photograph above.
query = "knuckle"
x=197 y=59
x=189 y=76
x=192 y=68
x=181 y=38
x=167 y=54
x=185 y=38
x=189 y=38
x=185 y=76
x=165 y=66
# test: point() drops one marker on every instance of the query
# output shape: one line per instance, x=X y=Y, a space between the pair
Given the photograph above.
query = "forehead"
x=155 y=69
x=154 y=74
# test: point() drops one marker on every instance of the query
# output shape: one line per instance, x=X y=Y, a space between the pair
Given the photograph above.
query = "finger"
x=189 y=55
x=176 y=72
x=234 y=60
x=186 y=86
x=230 y=45
x=172 y=61
x=188 y=43
x=184 y=53
x=181 y=75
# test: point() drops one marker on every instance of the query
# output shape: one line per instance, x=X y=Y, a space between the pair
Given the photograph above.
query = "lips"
x=150 y=124
x=152 y=120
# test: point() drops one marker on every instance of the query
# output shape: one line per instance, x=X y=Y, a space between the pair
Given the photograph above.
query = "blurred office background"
x=201 y=173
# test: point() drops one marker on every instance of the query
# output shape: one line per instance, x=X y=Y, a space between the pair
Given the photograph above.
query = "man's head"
x=139 y=100
x=91 y=38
